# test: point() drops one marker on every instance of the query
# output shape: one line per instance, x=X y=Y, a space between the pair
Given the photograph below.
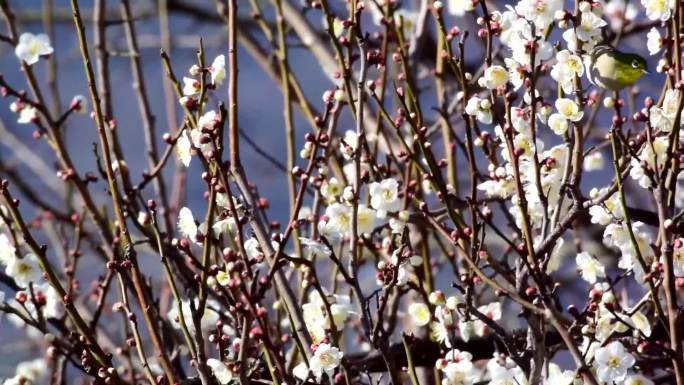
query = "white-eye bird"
x=613 y=70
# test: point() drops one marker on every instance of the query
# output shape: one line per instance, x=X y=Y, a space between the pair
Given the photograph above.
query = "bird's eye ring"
x=635 y=64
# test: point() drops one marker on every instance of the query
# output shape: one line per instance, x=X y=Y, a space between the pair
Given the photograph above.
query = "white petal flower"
x=326 y=359
x=184 y=149
x=220 y=370
x=590 y=268
x=385 y=195
x=420 y=314
x=480 y=108
x=590 y=26
x=654 y=42
x=640 y=322
x=460 y=7
x=540 y=12
x=658 y=9
x=612 y=362
x=569 y=109
x=207 y=322
x=558 y=124
x=593 y=161
x=31 y=47
x=567 y=67
x=315 y=248
x=7 y=250
x=218 y=70
x=28 y=114
x=24 y=270
x=186 y=224
x=494 y=77
x=331 y=189
x=190 y=86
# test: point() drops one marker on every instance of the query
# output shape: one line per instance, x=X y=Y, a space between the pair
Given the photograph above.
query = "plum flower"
x=184 y=149
x=24 y=270
x=590 y=268
x=31 y=47
x=654 y=42
x=218 y=70
x=569 y=109
x=480 y=108
x=326 y=359
x=190 y=86
x=385 y=196
x=658 y=9
x=186 y=224
x=494 y=77
x=540 y=12
x=558 y=124
x=590 y=27
x=420 y=314
x=28 y=115
x=612 y=362
x=568 y=66
x=460 y=7
x=7 y=250
x=220 y=370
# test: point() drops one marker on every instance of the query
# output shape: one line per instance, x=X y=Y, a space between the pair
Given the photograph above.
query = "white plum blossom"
x=325 y=359
x=331 y=189
x=650 y=156
x=184 y=149
x=316 y=316
x=460 y=7
x=654 y=42
x=191 y=86
x=420 y=314
x=480 y=109
x=590 y=268
x=458 y=368
x=28 y=114
x=505 y=373
x=617 y=235
x=218 y=70
x=590 y=27
x=494 y=77
x=186 y=224
x=24 y=270
x=557 y=376
x=558 y=124
x=612 y=362
x=658 y=9
x=540 y=12
x=7 y=250
x=315 y=248
x=593 y=161
x=567 y=67
x=220 y=370
x=207 y=321
x=31 y=47
x=640 y=322
x=569 y=109
x=385 y=196
x=29 y=372
x=475 y=326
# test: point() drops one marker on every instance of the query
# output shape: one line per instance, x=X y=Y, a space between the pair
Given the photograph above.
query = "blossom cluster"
x=449 y=221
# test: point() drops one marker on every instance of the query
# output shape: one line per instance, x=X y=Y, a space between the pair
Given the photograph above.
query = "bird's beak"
x=645 y=72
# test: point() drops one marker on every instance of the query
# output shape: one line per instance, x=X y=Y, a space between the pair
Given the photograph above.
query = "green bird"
x=613 y=70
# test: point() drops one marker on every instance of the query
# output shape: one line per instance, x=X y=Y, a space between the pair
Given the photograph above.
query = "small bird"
x=613 y=70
